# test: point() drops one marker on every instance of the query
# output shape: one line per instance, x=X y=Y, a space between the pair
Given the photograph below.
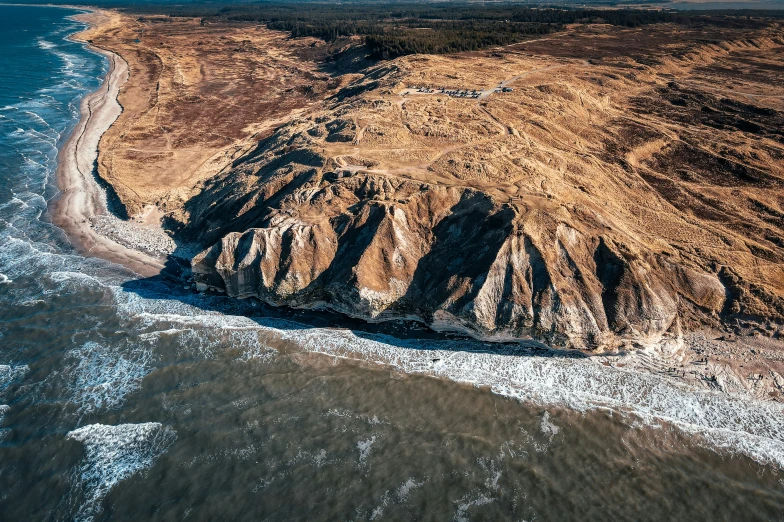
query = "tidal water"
x=132 y=399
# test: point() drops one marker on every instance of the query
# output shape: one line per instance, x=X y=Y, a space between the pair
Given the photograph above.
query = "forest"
x=395 y=29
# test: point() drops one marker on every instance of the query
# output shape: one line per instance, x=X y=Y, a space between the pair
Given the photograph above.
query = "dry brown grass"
x=196 y=97
x=666 y=144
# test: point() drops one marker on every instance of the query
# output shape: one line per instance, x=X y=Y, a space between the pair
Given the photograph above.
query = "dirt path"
x=487 y=92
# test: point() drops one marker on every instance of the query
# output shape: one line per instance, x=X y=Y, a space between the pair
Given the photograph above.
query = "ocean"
x=124 y=398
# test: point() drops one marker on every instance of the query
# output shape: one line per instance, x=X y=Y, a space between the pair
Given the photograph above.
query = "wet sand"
x=82 y=198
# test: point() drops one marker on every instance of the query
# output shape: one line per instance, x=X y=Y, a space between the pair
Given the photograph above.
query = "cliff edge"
x=588 y=204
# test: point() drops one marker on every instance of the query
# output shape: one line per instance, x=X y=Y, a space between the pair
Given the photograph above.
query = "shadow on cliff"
x=170 y=286
x=465 y=246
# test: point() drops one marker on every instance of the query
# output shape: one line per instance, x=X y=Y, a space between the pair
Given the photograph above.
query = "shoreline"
x=742 y=366
x=81 y=199
x=96 y=110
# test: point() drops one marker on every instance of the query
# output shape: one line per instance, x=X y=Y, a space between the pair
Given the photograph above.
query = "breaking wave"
x=103 y=376
x=550 y=379
x=753 y=428
x=9 y=374
x=113 y=454
x=749 y=427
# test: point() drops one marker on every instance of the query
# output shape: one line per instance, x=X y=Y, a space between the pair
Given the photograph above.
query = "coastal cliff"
x=621 y=196
x=380 y=248
x=480 y=218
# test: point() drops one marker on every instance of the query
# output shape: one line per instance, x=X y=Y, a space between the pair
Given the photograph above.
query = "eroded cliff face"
x=554 y=212
x=378 y=248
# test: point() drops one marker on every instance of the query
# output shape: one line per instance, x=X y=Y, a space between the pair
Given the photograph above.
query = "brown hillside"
x=629 y=186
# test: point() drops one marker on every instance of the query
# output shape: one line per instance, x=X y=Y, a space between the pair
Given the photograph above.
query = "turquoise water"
x=42 y=78
x=136 y=399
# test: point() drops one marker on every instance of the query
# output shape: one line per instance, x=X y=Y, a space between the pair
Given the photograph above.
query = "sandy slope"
x=199 y=97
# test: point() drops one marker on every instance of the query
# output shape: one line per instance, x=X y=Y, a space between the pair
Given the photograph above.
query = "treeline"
x=394 y=29
x=326 y=30
x=391 y=40
x=451 y=37
x=368 y=17
x=391 y=30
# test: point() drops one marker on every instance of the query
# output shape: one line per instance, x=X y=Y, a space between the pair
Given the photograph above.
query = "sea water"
x=136 y=399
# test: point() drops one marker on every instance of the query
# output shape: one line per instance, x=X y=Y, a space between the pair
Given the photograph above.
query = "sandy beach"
x=82 y=200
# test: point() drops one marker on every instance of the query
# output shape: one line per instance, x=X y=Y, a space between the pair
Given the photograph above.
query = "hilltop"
x=609 y=185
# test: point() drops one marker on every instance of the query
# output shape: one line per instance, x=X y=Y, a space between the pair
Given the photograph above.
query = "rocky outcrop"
x=378 y=247
x=548 y=212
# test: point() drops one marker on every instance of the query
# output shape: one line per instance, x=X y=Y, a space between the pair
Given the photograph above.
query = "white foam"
x=401 y=492
x=72 y=64
x=37 y=118
x=364 y=447
x=3 y=412
x=113 y=454
x=8 y=374
x=103 y=376
x=378 y=511
x=754 y=428
x=320 y=458
x=547 y=427
x=194 y=340
x=407 y=487
x=43 y=44
x=461 y=515
x=346 y=414
x=196 y=331
x=316 y=458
